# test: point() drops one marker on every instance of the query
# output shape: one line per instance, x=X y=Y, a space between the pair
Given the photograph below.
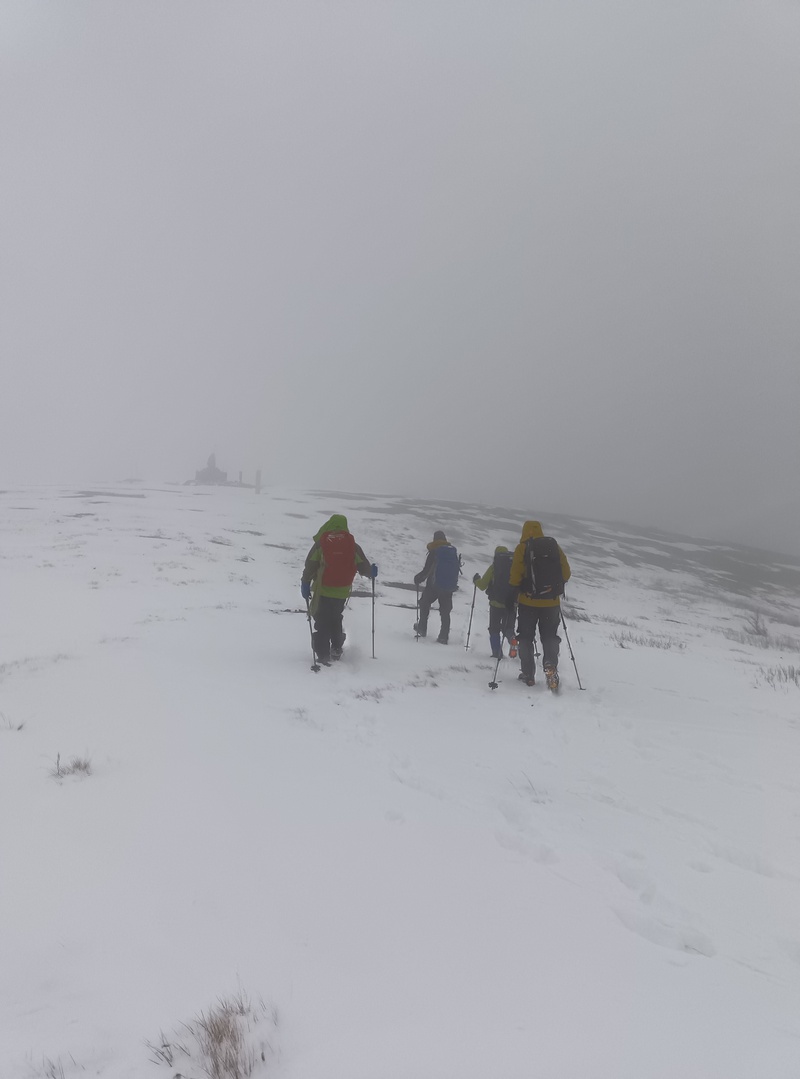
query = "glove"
x=373 y=571
x=305 y=589
x=476 y=578
x=417 y=580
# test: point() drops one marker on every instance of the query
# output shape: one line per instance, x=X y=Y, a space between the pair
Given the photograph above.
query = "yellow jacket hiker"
x=538 y=609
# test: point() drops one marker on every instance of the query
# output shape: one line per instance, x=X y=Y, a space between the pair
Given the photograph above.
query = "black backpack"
x=499 y=588
x=544 y=578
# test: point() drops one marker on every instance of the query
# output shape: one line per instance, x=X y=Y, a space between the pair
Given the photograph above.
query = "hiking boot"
x=421 y=631
x=551 y=674
x=337 y=649
x=529 y=680
x=441 y=640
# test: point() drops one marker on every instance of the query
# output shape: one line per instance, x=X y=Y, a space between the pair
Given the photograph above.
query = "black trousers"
x=501 y=622
x=547 y=619
x=429 y=596
x=328 y=631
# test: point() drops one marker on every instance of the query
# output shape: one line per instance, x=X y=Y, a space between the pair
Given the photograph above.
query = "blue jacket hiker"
x=328 y=574
x=440 y=577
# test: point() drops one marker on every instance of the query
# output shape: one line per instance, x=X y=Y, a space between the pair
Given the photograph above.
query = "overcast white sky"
x=543 y=254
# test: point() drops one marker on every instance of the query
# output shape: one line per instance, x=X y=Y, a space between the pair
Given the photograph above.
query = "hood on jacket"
x=336 y=523
x=531 y=530
x=501 y=550
x=439 y=540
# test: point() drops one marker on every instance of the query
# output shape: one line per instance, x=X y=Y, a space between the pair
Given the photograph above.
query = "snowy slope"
x=419 y=877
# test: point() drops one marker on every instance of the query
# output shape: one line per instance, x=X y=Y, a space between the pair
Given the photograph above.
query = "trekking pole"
x=494 y=683
x=416 y=624
x=373 y=618
x=314 y=665
x=472 y=608
x=571 y=653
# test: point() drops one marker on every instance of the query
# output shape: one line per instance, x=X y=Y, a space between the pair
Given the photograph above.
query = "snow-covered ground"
x=418 y=877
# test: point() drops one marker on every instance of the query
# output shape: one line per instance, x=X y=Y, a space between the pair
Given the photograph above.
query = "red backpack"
x=338 y=559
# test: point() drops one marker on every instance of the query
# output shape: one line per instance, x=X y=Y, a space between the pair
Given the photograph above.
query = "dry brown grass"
x=233 y=1039
x=77 y=766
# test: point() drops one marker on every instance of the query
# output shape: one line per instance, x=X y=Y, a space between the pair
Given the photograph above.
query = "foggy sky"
x=542 y=254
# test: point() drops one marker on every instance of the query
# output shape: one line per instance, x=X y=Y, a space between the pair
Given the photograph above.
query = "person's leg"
x=425 y=601
x=337 y=630
x=549 y=619
x=445 y=607
x=497 y=622
x=322 y=628
x=525 y=634
x=507 y=619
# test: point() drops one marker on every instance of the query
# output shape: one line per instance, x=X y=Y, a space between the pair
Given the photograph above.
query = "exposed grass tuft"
x=375 y=694
x=626 y=639
x=755 y=625
x=54 y=1069
x=781 y=642
x=77 y=766
x=614 y=621
x=574 y=614
x=7 y=725
x=782 y=675
x=233 y=1039
x=421 y=682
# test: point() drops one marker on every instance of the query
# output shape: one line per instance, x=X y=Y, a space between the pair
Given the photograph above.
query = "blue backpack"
x=447 y=568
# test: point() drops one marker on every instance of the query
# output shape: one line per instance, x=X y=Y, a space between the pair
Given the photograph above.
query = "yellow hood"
x=531 y=530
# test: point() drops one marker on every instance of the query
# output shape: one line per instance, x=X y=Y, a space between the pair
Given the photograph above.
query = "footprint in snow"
x=680 y=938
x=750 y=861
x=636 y=880
x=539 y=852
x=700 y=867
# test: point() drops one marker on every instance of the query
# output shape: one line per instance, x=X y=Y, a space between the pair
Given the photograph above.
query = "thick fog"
x=539 y=254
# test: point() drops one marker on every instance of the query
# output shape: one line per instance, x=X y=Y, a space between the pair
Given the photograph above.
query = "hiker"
x=539 y=571
x=496 y=584
x=440 y=576
x=328 y=574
